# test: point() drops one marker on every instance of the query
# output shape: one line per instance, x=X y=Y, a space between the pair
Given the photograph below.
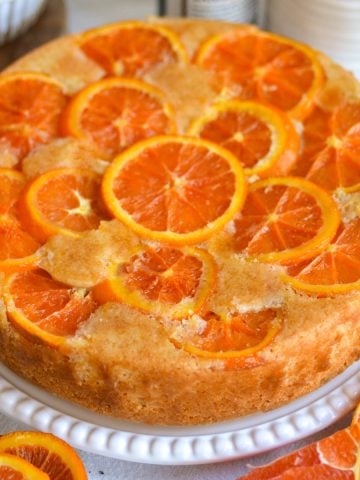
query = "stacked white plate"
x=332 y=26
x=16 y=16
x=243 y=11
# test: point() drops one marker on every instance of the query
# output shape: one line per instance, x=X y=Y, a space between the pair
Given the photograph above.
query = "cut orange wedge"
x=335 y=270
x=177 y=190
x=43 y=309
x=264 y=66
x=30 y=109
x=285 y=220
x=262 y=138
x=331 y=147
x=116 y=112
x=225 y=337
x=62 y=201
x=15 y=468
x=161 y=280
x=56 y=459
x=16 y=245
x=131 y=49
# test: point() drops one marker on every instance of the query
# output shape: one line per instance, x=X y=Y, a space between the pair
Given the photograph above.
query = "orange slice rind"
x=164 y=281
x=252 y=65
x=301 y=213
x=263 y=138
x=55 y=458
x=111 y=47
x=12 y=467
x=173 y=189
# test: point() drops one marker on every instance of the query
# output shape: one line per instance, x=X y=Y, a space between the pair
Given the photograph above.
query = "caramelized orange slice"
x=335 y=270
x=173 y=189
x=16 y=245
x=131 y=49
x=262 y=138
x=62 y=201
x=43 y=309
x=285 y=220
x=331 y=147
x=116 y=112
x=264 y=66
x=56 y=459
x=30 y=109
x=14 y=468
x=333 y=458
x=162 y=280
x=234 y=336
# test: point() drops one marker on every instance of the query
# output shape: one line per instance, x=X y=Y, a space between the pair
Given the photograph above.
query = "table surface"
x=66 y=16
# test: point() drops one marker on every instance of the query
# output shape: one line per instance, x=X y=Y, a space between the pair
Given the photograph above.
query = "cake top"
x=198 y=174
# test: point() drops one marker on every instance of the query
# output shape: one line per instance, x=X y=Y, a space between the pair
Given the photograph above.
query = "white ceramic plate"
x=179 y=445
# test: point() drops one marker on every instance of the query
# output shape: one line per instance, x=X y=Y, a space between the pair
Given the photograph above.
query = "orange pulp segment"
x=174 y=189
x=285 y=220
x=335 y=270
x=162 y=280
x=131 y=49
x=233 y=336
x=15 y=468
x=262 y=137
x=264 y=66
x=114 y=113
x=331 y=147
x=16 y=245
x=43 y=309
x=334 y=457
x=56 y=459
x=30 y=109
x=62 y=201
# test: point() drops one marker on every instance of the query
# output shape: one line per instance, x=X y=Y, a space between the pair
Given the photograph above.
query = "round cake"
x=179 y=220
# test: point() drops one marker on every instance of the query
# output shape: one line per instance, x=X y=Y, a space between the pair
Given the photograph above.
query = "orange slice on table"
x=116 y=112
x=43 y=309
x=285 y=220
x=236 y=336
x=131 y=49
x=63 y=201
x=335 y=270
x=30 y=109
x=333 y=458
x=263 y=66
x=16 y=245
x=262 y=138
x=177 y=190
x=331 y=147
x=56 y=459
x=15 y=468
x=161 y=280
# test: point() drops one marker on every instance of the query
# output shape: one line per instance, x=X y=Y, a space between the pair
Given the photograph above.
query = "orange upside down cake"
x=179 y=220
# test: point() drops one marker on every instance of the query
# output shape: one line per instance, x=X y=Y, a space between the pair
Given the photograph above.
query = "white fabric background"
x=102 y=468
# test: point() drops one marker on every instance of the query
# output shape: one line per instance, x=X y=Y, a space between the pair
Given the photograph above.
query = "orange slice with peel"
x=263 y=66
x=331 y=147
x=262 y=137
x=335 y=270
x=56 y=459
x=16 y=245
x=356 y=416
x=43 y=309
x=173 y=189
x=333 y=458
x=162 y=280
x=30 y=108
x=114 y=113
x=132 y=48
x=285 y=220
x=62 y=201
x=15 y=468
x=231 y=336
